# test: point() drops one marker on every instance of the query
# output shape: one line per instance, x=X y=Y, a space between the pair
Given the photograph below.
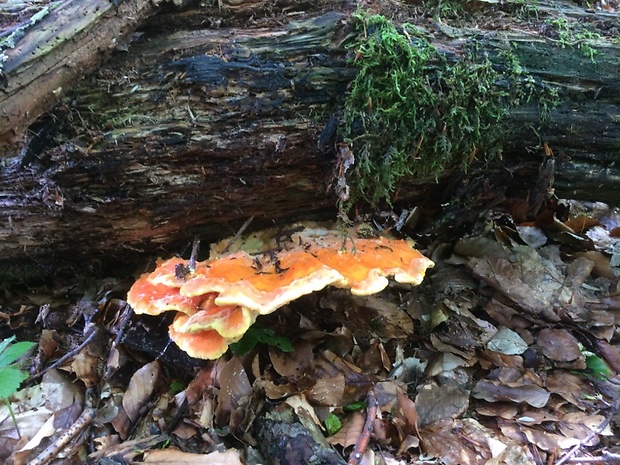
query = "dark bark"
x=214 y=115
x=284 y=440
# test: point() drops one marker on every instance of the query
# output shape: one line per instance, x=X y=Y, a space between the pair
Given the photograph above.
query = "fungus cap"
x=207 y=344
x=230 y=321
x=261 y=283
x=153 y=299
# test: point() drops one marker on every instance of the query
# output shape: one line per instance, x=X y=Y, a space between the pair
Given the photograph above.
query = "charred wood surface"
x=214 y=115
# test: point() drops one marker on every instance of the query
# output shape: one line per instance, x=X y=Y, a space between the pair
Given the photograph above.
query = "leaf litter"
x=506 y=354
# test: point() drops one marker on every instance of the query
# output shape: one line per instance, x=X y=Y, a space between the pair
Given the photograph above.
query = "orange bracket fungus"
x=219 y=299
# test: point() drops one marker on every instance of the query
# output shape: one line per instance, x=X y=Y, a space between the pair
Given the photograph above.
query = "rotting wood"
x=207 y=120
x=44 y=59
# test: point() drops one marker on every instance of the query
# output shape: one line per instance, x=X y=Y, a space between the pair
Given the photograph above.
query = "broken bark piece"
x=286 y=441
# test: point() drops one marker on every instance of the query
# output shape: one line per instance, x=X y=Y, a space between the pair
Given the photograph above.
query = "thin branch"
x=55 y=447
x=362 y=442
x=236 y=236
x=568 y=457
x=89 y=337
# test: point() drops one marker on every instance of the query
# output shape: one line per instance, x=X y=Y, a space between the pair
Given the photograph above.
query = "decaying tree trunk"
x=213 y=115
x=43 y=57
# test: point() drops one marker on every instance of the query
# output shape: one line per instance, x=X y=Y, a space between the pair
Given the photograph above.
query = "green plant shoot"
x=11 y=376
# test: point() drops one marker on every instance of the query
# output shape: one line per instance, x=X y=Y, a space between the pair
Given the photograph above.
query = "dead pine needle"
x=362 y=442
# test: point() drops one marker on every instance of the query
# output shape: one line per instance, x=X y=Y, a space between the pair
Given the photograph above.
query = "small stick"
x=192 y=257
x=127 y=312
x=55 y=447
x=89 y=337
x=607 y=458
x=236 y=236
x=568 y=457
x=362 y=442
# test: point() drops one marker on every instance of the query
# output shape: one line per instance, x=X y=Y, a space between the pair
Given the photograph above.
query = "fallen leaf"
x=176 y=457
x=141 y=387
x=507 y=342
x=559 y=345
x=533 y=395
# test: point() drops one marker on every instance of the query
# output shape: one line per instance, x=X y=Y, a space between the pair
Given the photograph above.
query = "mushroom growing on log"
x=217 y=300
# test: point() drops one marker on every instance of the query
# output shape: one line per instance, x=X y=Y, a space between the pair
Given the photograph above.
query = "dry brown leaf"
x=406 y=410
x=352 y=427
x=409 y=442
x=141 y=387
x=534 y=280
x=35 y=411
x=588 y=423
x=446 y=439
x=466 y=441
x=436 y=402
x=386 y=393
x=507 y=341
x=506 y=410
x=85 y=367
x=276 y=391
x=573 y=388
x=304 y=410
x=547 y=441
x=559 y=345
x=508 y=316
x=579 y=223
x=234 y=393
x=610 y=353
x=328 y=391
x=491 y=392
x=447 y=362
x=602 y=267
x=295 y=363
x=176 y=457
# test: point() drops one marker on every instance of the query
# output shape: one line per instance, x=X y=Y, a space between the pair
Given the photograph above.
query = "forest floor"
x=508 y=352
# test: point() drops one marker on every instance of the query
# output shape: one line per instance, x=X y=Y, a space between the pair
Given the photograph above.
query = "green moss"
x=447 y=9
x=411 y=112
x=571 y=34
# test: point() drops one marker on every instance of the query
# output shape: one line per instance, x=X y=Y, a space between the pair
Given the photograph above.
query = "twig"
x=192 y=257
x=89 y=337
x=362 y=442
x=243 y=227
x=606 y=459
x=127 y=312
x=569 y=455
x=52 y=450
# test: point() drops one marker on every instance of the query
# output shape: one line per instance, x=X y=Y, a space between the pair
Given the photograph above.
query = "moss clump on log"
x=412 y=111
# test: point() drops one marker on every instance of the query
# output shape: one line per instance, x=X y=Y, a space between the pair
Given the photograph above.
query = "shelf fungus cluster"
x=217 y=300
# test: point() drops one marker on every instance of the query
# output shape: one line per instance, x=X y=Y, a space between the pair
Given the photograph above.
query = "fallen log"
x=215 y=115
x=41 y=58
